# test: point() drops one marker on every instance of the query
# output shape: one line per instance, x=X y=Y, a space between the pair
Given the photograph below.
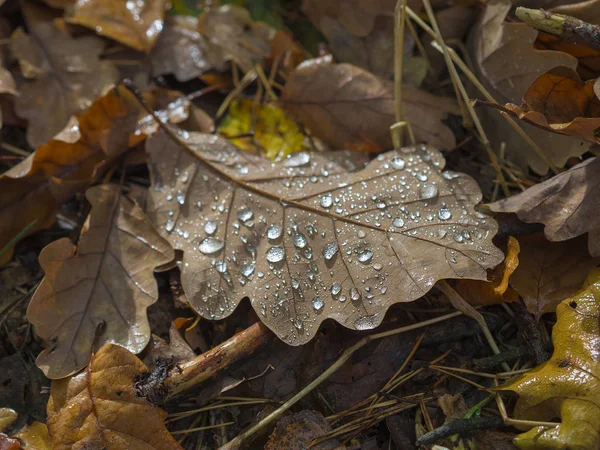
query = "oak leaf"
x=99 y=408
x=107 y=279
x=568 y=385
x=32 y=191
x=508 y=63
x=136 y=24
x=64 y=75
x=567 y=204
x=306 y=239
x=549 y=272
x=350 y=108
x=34 y=437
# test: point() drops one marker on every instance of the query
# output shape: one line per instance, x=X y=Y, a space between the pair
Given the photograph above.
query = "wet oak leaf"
x=549 y=272
x=567 y=385
x=136 y=24
x=305 y=239
x=64 y=76
x=34 y=437
x=350 y=108
x=567 y=204
x=32 y=191
x=106 y=279
x=98 y=408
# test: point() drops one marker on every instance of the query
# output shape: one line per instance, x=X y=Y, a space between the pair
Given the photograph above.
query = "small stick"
x=561 y=25
x=460 y=426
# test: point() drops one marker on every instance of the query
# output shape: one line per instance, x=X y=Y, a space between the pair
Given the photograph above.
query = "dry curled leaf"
x=549 y=272
x=99 y=409
x=305 y=239
x=136 y=24
x=32 y=191
x=350 y=108
x=183 y=51
x=508 y=63
x=106 y=280
x=567 y=204
x=568 y=385
x=64 y=75
x=559 y=101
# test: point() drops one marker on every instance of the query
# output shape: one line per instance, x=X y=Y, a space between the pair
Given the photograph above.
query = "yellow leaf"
x=35 y=437
x=275 y=134
x=567 y=385
x=7 y=417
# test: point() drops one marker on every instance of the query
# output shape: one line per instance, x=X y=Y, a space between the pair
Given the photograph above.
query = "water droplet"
x=377 y=266
x=458 y=237
x=381 y=205
x=444 y=213
x=210 y=227
x=422 y=177
x=274 y=231
x=365 y=323
x=364 y=256
x=361 y=234
x=295 y=283
x=429 y=191
x=245 y=214
x=317 y=303
x=398 y=163
x=450 y=175
x=210 y=245
x=300 y=240
x=398 y=222
x=354 y=294
x=169 y=225
x=336 y=288
x=221 y=266
x=248 y=269
x=275 y=254
x=326 y=201
x=342 y=298
x=297 y=159
x=330 y=250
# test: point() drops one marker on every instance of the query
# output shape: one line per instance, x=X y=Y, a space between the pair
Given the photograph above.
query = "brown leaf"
x=183 y=51
x=107 y=279
x=65 y=75
x=549 y=272
x=32 y=191
x=295 y=432
x=305 y=239
x=566 y=203
x=136 y=24
x=559 y=101
x=351 y=108
x=99 y=409
x=7 y=443
x=508 y=63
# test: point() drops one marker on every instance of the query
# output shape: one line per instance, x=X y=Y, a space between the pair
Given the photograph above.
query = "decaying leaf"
x=295 y=432
x=496 y=290
x=35 y=437
x=568 y=385
x=7 y=418
x=561 y=102
x=32 y=191
x=305 y=239
x=98 y=408
x=65 y=75
x=7 y=85
x=508 y=64
x=549 y=272
x=566 y=203
x=350 y=108
x=106 y=280
x=136 y=24
x=183 y=51
x=274 y=134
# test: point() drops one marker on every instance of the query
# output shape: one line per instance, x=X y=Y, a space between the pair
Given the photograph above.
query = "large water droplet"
x=444 y=213
x=398 y=163
x=365 y=323
x=429 y=191
x=354 y=294
x=326 y=201
x=210 y=227
x=248 y=269
x=336 y=288
x=300 y=240
x=245 y=214
x=317 y=303
x=210 y=245
x=381 y=205
x=221 y=266
x=364 y=256
x=330 y=250
x=274 y=231
x=398 y=222
x=297 y=159
x=275 y=254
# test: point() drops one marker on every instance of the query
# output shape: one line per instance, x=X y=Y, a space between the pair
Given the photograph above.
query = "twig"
x=560 y=25
x=460 y=426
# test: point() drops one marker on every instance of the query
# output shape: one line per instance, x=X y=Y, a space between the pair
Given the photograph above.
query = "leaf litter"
x=278 y=201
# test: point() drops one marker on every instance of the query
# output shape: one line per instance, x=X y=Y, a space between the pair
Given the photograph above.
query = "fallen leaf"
x=230 y=30
x=176 y=351
x=566 y=204
x=7 y=418
x=559 y=101
x=495 y=290
x=7 y=85
x=588 y=59
x=305 y=239
x=273 y=133
x=296 y=431
x=135 y=24
x=350 y=108
x=64 y=75
x=508 y=63
x=32 y=191
x=34 y=437
x=106 y=279
x=549 y=272
x=99 y=408
x=566 y=386
x=183 y=51
x=7 y=443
